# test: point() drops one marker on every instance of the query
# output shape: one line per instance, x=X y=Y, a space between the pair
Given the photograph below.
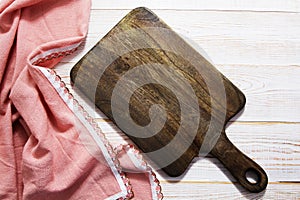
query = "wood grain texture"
x=272 y=91
x=209 y=190
x=263 y=5
x=244 y=38
x=138 y=43
x=268 y=129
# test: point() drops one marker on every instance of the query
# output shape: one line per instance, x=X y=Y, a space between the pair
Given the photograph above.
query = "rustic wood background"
x=256 y=44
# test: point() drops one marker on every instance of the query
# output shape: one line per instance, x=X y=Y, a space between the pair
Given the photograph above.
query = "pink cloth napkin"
x=50 y=148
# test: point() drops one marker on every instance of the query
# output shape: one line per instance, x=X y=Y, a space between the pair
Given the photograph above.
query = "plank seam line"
x=199 y=10
x=223 y=182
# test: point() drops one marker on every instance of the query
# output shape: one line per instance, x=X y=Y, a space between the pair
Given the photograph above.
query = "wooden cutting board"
x=165 y=96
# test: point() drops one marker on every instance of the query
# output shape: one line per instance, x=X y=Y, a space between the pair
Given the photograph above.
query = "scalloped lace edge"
x=72 y=103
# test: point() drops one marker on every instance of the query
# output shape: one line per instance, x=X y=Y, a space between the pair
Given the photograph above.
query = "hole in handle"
x=252 y=176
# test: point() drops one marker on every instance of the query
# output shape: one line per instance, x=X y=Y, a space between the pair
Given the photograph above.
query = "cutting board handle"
x=248 y=173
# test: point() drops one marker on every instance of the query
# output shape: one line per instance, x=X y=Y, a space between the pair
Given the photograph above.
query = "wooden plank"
x=275 y=146
x=198 y=191
x=272 y=92
x=263 y=5
x=227 y=37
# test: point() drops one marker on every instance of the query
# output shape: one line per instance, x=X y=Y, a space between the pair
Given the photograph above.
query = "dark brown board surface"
x=141 y=62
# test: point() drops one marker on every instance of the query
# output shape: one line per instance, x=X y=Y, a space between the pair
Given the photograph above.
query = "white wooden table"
x=256 y=44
